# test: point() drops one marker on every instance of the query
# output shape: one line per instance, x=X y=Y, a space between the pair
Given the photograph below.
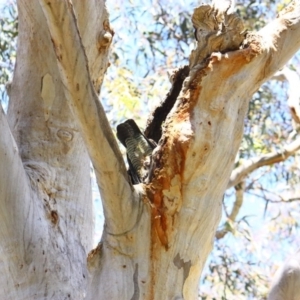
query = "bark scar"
x=180 y=263
x=136 y=292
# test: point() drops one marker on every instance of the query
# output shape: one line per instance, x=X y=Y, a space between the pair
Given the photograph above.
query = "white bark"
x=87 y=110
x=286 y=282
x=51 y=201
x=157 y=236
x=13 y=216
x=205 y=128
x=293 y=95
x=215 y=125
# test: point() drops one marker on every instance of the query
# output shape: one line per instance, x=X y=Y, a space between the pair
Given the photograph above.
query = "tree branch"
x=293 y=91
x=239 y=198
x=249 y=166
x=13 y=187
x=202 y=133
x=280 y=40
x=79 y=90
x=286 y=282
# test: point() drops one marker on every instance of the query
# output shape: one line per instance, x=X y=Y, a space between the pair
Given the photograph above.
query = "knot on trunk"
x=105 y=36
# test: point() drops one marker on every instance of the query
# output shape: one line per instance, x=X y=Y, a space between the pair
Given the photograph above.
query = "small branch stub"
x=105 y=36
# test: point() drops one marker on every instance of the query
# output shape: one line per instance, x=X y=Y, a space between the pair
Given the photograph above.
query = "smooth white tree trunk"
x=158 y=235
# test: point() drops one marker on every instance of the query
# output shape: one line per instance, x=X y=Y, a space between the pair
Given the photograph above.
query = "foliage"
x=8 y=39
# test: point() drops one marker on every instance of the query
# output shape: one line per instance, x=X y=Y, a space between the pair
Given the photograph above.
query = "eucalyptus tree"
x=158 y=233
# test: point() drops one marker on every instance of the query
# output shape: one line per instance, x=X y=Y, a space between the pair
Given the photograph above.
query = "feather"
x=139 y=150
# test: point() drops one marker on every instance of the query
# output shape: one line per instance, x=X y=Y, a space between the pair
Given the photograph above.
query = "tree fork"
x=157 y=236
